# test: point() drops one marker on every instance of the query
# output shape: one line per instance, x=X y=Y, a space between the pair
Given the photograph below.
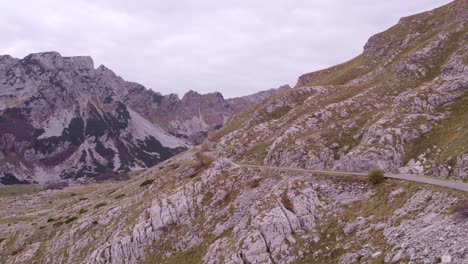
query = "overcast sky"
x=172 y=46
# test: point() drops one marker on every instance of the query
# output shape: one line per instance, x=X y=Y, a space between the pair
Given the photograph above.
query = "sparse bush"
x=255 y=183
x=462 y=209
x=50 y=220
x=147 y=182
x=286 y=202
x=70 y=219
x=99 y=205
x=83 y=211
x=95 y=222
x=205 y=158
x=58 y=224
x=120 y=196
x=56 y=185
x=376 y=176
x=205 y=147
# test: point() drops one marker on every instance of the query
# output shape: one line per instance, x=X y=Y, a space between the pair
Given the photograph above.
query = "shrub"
x=147 y=182
x=255 y=183
x=376 y=176
x=70 y=219
x=462 y=209
x=83 y=211
x=120 y=196
x=286 y=202
x=99 y=205
x=50 y=220
x=58 y=224
x=95 y=222
x=56 y=185
x=205 y=158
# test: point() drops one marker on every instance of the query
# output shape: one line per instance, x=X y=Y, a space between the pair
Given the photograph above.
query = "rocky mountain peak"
x=81 y=63
x=79 y=122
x=412 y=30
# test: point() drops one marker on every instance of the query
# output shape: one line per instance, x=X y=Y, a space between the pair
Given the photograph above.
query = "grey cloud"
x=236 y=47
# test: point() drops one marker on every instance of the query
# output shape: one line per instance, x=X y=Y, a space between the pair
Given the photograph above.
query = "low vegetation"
x=462 y=209
x=19 y=189
x=376 y=176
x=120 y=196
x=99 y=205
x=286 y=202
x=205 y=157
x=147 y=182
x=70 y=219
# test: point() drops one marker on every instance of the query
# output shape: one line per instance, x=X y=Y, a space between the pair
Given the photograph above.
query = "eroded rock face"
x=230 y=214
x=62 y=119
x=387 y=108
x=69 y=120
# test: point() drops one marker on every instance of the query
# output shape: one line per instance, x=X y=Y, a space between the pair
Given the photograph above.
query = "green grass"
x=11 y=220
x=331 y=227
x=376 y=176
x=99 y=205
x=19 y=189
x=192 y=256
x=257 y=153
x=120 y=196
x=70 y=219
x=147 y=182
x=451 y=135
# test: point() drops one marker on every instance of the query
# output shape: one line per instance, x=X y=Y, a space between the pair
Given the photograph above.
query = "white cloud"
x=236 y=47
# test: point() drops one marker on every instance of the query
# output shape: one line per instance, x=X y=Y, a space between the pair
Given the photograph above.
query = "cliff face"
x=400 y=106
x=60 y=118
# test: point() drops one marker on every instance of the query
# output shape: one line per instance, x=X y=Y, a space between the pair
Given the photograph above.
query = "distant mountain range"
x=60 y=118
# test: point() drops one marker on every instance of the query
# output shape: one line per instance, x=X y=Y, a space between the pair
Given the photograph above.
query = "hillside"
x=400 y=106
x=62 y=119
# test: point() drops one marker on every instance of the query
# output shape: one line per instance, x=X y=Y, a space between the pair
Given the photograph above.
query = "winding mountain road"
x=407 y=177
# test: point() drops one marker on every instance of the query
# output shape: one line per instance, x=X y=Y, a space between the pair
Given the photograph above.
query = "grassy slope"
x=384 y=84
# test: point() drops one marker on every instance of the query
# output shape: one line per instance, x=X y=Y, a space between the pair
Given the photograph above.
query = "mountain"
x=60 y=118
x=401 y=106
x=403 y=96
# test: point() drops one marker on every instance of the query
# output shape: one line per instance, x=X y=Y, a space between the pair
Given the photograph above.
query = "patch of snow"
x=56 y=123
x=116 y=160
x=142 y=128
x=43 y=175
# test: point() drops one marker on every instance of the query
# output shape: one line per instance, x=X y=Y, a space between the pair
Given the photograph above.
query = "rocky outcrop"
x=230 y=214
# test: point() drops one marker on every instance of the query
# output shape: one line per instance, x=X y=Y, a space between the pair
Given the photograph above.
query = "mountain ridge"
x=376 y=110
x=64 y=119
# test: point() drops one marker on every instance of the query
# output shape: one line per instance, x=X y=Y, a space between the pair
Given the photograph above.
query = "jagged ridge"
x=60 y=118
